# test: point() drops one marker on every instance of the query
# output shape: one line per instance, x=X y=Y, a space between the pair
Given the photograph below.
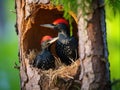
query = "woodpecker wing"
x=67 y=51
x=44 y=60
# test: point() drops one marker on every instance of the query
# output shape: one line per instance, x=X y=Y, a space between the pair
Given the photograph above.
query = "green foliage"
x=69 y=5
x=114 y=4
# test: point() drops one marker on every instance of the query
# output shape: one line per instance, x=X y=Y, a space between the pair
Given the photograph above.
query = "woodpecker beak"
x=48 y=25
x=53 y=40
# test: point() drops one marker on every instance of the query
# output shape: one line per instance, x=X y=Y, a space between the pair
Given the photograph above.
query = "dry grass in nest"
x=61 y=71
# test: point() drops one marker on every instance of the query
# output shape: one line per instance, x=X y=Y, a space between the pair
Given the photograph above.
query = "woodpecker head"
x=60 y=24
x=47 y=40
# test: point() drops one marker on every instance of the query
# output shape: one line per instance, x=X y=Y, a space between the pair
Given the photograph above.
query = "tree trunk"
x=92 y=49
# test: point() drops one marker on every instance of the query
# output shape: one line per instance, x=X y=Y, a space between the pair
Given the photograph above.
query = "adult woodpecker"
x=66 y=45
x=45 y=60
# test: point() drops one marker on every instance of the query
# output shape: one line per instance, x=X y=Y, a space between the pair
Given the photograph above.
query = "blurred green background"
x=9 y=76
x=113 y=38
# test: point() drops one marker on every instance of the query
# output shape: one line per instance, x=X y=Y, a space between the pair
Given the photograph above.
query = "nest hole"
x=32 y=34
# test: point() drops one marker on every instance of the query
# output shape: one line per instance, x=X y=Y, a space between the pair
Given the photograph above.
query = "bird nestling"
x=45 y=60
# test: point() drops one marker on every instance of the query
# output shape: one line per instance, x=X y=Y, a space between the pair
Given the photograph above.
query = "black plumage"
x=66 y=45
x=67 y=50
x=45 y=60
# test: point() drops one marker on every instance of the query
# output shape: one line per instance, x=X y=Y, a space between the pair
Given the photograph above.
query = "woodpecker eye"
x=56 y=27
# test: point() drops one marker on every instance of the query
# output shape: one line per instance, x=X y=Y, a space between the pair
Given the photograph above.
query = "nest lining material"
x=61 y=71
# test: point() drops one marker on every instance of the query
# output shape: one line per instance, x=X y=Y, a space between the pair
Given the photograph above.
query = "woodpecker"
x=45 y=60
x=66 y=45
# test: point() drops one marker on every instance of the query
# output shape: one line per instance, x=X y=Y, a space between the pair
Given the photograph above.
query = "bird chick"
x=45 y=60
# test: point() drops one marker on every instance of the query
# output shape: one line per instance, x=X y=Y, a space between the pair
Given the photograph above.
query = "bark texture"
x=93 y=49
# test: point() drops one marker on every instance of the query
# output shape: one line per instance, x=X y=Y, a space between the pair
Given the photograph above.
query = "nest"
x=53 y=78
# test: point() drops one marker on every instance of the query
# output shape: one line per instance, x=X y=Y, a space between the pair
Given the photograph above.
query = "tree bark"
x=92 y=49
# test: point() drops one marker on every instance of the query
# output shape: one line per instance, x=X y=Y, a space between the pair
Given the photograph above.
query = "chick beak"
x=53 y=40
